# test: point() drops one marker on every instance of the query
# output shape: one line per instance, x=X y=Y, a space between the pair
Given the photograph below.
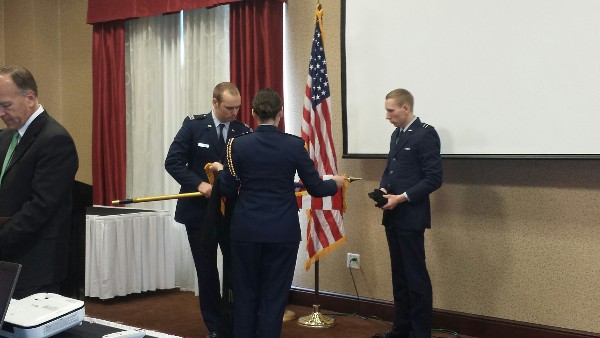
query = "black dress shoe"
x=389 y=334
x=212 y=334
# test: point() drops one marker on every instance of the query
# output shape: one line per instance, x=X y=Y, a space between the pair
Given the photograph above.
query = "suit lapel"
x=28 y=138
x=394 y=142
x=211 y=130
x=5 y=143
x=406 y=135
x=402 y=138
x=402 y=141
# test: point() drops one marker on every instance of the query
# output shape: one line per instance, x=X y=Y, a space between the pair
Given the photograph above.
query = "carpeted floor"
x=177 y=313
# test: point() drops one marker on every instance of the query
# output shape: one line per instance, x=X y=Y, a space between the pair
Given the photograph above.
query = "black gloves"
x=377 y=196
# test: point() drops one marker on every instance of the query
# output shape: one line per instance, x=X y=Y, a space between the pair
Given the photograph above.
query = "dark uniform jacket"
x=263 y=165
x=195 y=145
x=414 y=166
x=36 y=193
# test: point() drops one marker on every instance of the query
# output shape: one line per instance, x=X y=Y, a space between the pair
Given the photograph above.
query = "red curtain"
x=256 y=36
x=109 y=10
x=256 y=48
x=108 y=126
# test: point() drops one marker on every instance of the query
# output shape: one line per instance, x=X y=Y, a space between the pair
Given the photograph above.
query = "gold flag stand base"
x=316 y=320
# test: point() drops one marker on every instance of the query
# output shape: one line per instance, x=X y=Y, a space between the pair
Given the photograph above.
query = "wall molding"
x=463 y=323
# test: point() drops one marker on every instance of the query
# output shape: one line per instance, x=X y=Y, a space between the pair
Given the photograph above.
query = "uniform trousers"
x=262 y=278
x=411 y=284
x=204 y=251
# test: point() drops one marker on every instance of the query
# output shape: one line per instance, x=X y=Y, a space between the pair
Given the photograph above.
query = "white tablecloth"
x=129 y=253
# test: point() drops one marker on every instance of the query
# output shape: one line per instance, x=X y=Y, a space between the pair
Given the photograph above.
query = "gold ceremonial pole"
x=157 y=198
x=351 y=179
x=184 y=195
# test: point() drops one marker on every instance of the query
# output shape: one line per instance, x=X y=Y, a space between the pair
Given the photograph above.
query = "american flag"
x=325 y=229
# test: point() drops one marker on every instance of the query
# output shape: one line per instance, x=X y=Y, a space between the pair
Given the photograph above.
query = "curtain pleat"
x=108 y=129
x=173 y=63
x=256 y=43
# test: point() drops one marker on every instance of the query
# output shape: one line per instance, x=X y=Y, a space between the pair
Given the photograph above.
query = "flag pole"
x=317 y=90
x=316 y=319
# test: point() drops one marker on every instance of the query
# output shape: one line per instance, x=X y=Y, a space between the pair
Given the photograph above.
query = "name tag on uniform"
x=203 y=145
x=406 y=148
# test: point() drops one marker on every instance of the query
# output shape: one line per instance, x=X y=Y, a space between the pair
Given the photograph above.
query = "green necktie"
x=11 y=150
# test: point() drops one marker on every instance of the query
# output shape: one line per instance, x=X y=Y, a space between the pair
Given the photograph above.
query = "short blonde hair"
x=402 y=96
x=224 y=87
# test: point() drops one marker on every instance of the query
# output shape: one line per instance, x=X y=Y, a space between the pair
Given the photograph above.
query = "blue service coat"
x=262 y=166
x=195 y=145
x=414 y=166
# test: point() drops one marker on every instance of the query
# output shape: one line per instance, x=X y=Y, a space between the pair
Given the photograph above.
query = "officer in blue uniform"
x=413 y=171
x=265 y=231
x=201 y=140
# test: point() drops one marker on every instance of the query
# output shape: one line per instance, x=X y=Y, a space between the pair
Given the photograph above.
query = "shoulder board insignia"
x=425 y=125
x=238 y=122
x=242 y=134
x=197 y=117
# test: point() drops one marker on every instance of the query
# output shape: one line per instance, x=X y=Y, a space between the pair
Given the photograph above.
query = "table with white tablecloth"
x=128 y=251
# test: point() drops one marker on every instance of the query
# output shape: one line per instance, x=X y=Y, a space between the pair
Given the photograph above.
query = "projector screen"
x=500 y=79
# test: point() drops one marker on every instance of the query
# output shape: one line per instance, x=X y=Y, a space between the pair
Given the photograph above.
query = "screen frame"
x=345 y=126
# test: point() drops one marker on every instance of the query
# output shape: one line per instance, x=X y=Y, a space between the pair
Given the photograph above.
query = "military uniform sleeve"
x=179 y=156
x=431 y=166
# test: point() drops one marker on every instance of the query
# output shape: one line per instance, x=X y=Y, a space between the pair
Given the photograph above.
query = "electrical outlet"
x=353 y=261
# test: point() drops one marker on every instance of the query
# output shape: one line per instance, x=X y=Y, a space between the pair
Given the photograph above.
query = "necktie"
x=400 y=132
x=9 y=153
x=221 y=136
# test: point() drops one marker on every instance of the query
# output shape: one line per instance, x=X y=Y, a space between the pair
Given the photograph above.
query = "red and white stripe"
x=325 y=229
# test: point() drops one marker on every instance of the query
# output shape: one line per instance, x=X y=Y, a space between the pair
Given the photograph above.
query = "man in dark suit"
x=201 y=140
x=413 y=171
x=265 y=230
x=39 y=166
